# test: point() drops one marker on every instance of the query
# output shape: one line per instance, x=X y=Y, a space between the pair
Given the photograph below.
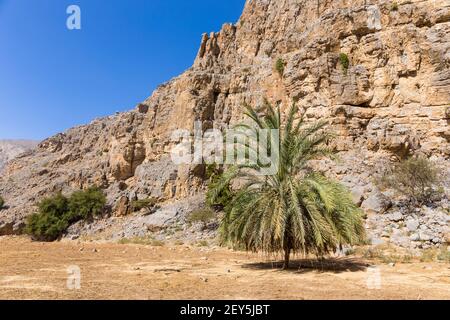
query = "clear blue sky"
x=52 y=78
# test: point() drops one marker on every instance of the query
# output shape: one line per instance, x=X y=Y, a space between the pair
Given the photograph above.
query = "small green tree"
x=294 y=209
x=86 y=204
x=345 y=62
x=416 y=178
x=2 y=203
x=51 y=220
x=394 y=6
x=279 y=66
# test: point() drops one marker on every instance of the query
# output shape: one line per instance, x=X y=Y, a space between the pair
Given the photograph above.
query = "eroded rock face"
x=393 y=98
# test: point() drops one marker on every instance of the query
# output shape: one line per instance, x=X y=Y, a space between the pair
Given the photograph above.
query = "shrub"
x=138 y=205
x=45 y=227
x=146 y=241
x=444 y=254
x=203 y=243
x=2 y=203
x=86 y=204
x=428 y=255
x=279 y=66
x=51 y=220
x=204 y=216
x=345 y=61
x=394 y=6
x=55 y=214
x=157 y=243
x=179 y=243
x=416 y=178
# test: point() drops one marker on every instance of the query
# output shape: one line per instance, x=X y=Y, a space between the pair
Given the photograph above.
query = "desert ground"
x=32 y=270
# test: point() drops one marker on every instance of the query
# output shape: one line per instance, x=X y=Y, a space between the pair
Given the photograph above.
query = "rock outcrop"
x=393 y=98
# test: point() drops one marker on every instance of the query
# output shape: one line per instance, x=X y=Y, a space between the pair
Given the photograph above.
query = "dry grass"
x=389 y=254
x=145 y=241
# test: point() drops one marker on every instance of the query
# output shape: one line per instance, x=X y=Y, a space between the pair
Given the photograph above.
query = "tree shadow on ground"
x=335 y=265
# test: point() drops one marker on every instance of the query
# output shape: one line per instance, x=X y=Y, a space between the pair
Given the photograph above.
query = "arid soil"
x=31 y=270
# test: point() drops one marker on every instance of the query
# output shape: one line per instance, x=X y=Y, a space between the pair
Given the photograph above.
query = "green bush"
x=86 y=204
x=138 y=205
x=204 y=216
x=279 y=66
x=55 y=214
x=416 y=178
x=51 y=220
x=345 y=61
x=2 y=203
x=394 y=6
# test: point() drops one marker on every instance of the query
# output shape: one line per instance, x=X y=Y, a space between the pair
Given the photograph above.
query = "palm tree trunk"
x=287 y=255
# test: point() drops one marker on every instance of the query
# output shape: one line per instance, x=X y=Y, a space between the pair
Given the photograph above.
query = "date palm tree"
x=295 y=210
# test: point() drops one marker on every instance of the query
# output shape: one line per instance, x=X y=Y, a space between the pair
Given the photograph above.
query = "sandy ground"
x=30 y=270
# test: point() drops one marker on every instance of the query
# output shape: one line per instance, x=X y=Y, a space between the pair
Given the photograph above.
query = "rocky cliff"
x=378 y=71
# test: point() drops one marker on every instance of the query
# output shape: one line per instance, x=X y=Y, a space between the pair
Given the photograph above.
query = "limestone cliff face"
x=394 y=98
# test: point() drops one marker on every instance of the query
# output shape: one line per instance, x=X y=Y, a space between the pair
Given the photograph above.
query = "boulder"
x=373 y=204
x=412 y=225
x=396 y=216
x=358 y=195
